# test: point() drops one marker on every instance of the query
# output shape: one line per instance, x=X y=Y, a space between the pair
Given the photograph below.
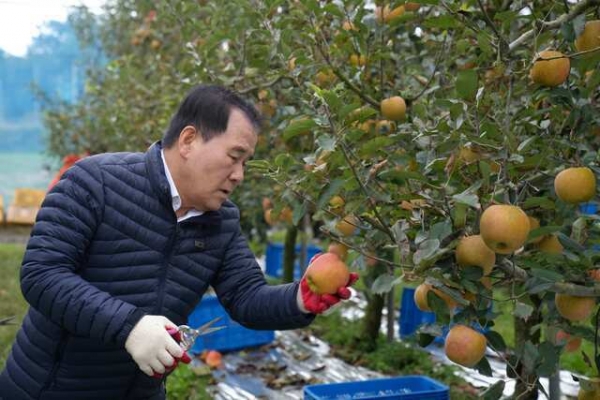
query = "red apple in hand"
x=326 y=274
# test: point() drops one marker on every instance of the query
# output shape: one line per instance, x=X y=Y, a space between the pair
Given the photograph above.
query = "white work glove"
x=151 y=346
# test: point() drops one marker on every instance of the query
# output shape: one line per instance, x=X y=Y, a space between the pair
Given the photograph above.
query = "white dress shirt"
x=175 y=198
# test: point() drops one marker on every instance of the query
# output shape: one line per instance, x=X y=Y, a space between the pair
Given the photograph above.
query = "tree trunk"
x=525 y=388
x=374 y=309
x=372 y=320
x=289 y=253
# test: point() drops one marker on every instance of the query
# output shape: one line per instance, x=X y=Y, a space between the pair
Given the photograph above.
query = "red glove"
x=309 y=301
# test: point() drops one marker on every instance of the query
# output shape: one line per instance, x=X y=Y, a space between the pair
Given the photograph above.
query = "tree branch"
x=366 y=98
x=578 y=9
x=438 y=61
x=503 y=45
x=573 y=289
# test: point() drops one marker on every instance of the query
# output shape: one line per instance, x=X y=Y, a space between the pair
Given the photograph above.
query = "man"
x=124 y=247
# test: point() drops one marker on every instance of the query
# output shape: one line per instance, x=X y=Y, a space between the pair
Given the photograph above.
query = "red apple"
x=326 y=274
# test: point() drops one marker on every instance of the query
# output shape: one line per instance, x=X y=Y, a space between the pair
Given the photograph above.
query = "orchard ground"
x=390 y=358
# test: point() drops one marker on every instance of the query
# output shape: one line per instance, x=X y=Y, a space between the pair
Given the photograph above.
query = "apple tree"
x=450 y=144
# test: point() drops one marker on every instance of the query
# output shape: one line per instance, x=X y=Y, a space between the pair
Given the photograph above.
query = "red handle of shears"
x=175 y=334
x=185 y=358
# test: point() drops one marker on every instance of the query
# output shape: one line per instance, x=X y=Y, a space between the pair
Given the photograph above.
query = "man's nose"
x=237 y=175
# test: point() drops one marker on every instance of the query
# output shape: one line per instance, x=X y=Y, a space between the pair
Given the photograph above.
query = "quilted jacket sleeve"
x=56 y=251
x=245 y=294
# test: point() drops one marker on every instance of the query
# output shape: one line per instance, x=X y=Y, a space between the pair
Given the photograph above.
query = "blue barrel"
x=274 y=259
x=411 y=318
x=588 y=208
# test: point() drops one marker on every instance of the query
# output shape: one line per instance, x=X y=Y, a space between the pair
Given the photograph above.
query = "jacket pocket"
x=58 y=356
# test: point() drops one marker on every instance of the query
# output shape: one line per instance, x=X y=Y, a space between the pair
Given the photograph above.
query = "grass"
x=12 y=303
x=183 y=384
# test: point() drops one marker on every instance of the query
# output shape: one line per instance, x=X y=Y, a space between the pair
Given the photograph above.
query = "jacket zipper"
x=163 y=277
x=57 y=360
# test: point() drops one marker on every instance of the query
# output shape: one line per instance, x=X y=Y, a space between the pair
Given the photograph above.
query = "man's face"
x=212 y=169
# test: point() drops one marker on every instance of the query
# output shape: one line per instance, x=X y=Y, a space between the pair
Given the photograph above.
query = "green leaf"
x=523 y=145
x=441 y=230
x=547 y=275
x=468 y=283
x=467 y=84
x=299 y=212
x=298 y=127
x=424 y=339
x=567 y=31
x=469 y=199
x=523 y=310
x=578 y=231
x=443 y=22
x=284 y=160
x=346 y=112
x=326 y=142
x=512 y=360
x=536 y=285
x=400 y=177
x=570 y=243
x=495 y=340
x=471 y=273
x=543 y=231
x=484 y=43
x=312 y=5
x=330 y=190
x=578 y=24
x=484 y=367
x=426 y=250
x=459 y=215
x=439 y=307
x=258 y=165
x=384 y=283
x=332 y=9
x=529 y=357
x=398 y=231
x=494 y=392
x=376 y=145
x=453 y=293
x=332 y=100
x=357 y=113
x=542 y=202
x=548 y=359
x=584 y=332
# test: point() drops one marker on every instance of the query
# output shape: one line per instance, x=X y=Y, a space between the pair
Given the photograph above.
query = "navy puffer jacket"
x=106 y=249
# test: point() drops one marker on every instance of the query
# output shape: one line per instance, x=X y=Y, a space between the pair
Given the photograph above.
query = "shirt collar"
x=175 y=198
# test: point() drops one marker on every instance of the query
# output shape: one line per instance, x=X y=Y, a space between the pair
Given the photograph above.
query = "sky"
x=20 y=20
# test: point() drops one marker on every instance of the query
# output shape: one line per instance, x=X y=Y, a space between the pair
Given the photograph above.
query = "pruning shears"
x=186 y=336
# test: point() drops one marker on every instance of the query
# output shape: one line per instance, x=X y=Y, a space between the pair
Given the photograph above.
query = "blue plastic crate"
x=411 y=318
x=401 y=388
x=234 y=337
x=274 y=259
x=588 y=208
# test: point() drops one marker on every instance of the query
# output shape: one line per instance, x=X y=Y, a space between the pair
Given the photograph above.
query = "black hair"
x=207 y=108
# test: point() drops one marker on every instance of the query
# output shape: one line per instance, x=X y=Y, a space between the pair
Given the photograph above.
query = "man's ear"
x=186 y=139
